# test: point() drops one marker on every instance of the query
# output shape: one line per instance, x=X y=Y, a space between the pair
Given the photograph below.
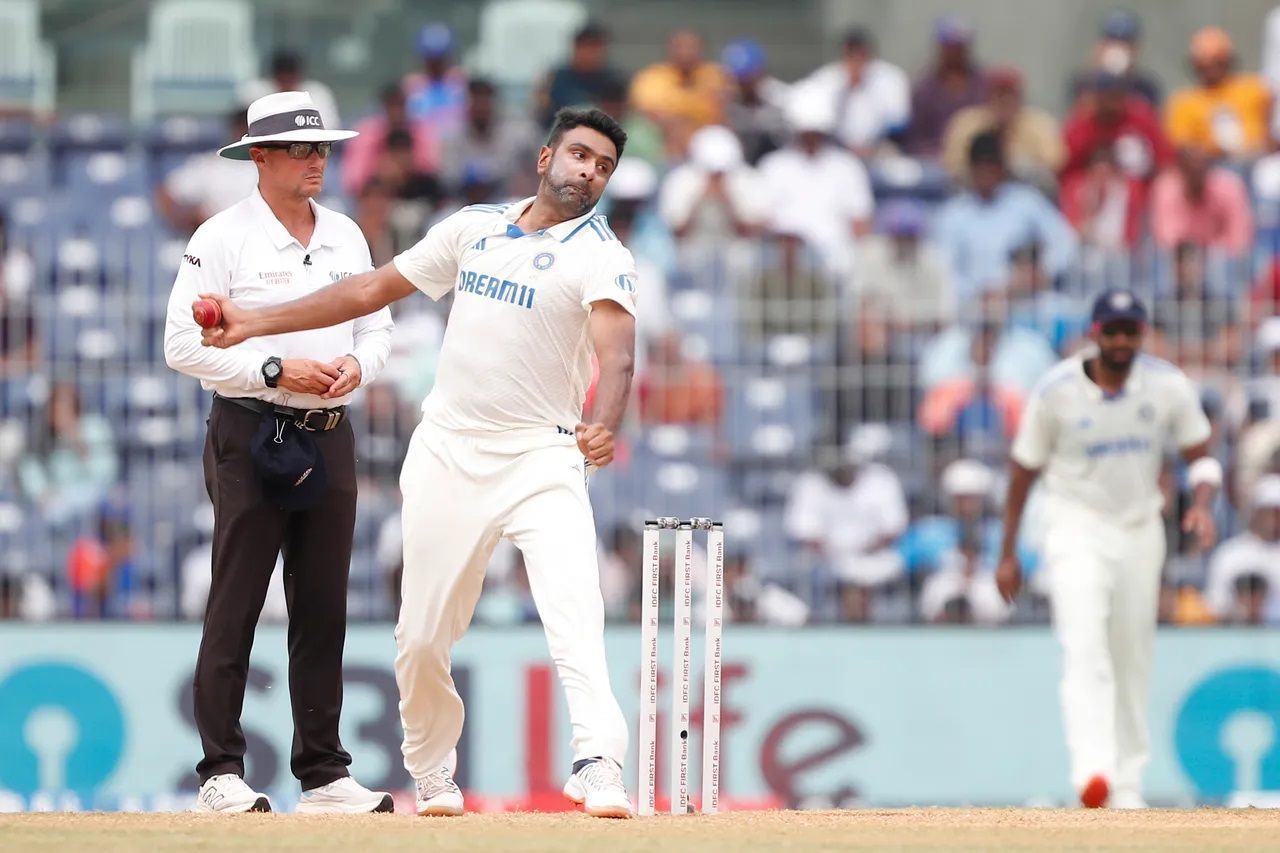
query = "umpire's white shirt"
x=246 y=253
x=1103 y=454
x=516 y=357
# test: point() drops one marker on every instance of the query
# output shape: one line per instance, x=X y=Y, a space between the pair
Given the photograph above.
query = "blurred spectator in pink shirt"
x=1198 y=202
x=361 y=155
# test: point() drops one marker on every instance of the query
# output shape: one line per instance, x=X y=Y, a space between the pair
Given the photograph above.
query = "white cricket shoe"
x=437 y=794
x=344 y=796
x=228 y=793
x=598 y=788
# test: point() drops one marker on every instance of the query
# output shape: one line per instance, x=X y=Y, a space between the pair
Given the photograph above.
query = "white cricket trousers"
x=460 y=498
x=1105 y=587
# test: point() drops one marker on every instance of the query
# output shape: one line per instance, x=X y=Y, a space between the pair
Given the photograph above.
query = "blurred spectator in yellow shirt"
x=1032 y=139
x=683 y=93
x=1228 y=112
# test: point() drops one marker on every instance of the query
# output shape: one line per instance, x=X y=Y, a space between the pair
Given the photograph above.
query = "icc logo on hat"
x=1121 y=301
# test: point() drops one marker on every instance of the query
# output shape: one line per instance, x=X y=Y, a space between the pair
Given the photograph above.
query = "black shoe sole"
x=385 y=807
x=260 y=805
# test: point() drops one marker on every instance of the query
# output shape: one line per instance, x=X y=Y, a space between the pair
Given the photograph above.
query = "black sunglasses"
x=1130 y=328
x=302 y=150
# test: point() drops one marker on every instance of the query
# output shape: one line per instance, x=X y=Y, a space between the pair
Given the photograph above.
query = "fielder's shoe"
x=596 y=785
x=344 y=796
x=437 y=794
x=229 y=793
x=1095 y=793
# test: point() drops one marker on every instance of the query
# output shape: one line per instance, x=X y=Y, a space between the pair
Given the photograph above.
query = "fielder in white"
x=539 y=285
x=1097 y=428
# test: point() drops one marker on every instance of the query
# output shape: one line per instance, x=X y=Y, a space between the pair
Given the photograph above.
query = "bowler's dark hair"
x=569 y=118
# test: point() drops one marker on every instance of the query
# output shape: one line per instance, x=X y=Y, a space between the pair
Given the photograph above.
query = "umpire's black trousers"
x=248 y=533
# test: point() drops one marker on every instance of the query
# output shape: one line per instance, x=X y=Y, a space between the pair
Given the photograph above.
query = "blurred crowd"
x=849 y=285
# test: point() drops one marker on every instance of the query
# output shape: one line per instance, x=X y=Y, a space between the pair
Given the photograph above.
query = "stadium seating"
x=197 y=53
x=28 y=69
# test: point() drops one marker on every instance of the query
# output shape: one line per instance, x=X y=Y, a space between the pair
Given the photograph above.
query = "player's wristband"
x=1205 y=471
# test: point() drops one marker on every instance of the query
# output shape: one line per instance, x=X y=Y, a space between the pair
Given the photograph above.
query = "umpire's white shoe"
x=597 y=787
x=344 y=796
x=229 y=793
x=437 y=795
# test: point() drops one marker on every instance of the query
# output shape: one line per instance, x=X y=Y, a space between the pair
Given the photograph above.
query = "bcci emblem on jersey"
x=543 y=260
x=1146 y=413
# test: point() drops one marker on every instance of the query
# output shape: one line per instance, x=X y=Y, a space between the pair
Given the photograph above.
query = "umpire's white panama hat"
x=283 y=117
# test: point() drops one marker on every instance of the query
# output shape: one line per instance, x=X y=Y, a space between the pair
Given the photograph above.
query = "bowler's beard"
x=571 y=197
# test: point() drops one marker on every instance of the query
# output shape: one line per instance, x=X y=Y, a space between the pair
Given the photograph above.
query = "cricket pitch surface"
x=896 y=829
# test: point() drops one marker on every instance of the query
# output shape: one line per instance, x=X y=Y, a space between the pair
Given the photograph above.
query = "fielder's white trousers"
x=460 y=498
x=1105 y=588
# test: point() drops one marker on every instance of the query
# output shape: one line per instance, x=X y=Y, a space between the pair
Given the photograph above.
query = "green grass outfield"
x=912 y=829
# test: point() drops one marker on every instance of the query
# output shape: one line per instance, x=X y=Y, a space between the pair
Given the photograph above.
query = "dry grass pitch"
x=912 y=829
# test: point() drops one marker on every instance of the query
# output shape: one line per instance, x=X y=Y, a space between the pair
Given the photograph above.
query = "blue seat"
x=16 y=134
x=114 y=171
x=28 y=224
x=165 y=162
x=184 y=135
x=771 y=417
x=772 y=553
x=709 y=321
x=678 y=442
x=77 y=261
x=89 y=132
x=23 y=174
x=112 y=394
x=653 y=486
x=155 y=392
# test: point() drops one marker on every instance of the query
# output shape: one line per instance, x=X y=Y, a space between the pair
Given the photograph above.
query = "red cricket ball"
x=207 y=313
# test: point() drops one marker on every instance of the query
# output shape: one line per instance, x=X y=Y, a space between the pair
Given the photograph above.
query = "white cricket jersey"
x=516 y=357
x=1102 y=453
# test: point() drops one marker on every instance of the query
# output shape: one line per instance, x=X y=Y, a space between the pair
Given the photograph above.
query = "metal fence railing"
x=761 y=374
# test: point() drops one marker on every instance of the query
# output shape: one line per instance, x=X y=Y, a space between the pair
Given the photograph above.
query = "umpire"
x=279 y=456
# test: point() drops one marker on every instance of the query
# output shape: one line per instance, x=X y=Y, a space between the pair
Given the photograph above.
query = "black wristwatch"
x=271 y=370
